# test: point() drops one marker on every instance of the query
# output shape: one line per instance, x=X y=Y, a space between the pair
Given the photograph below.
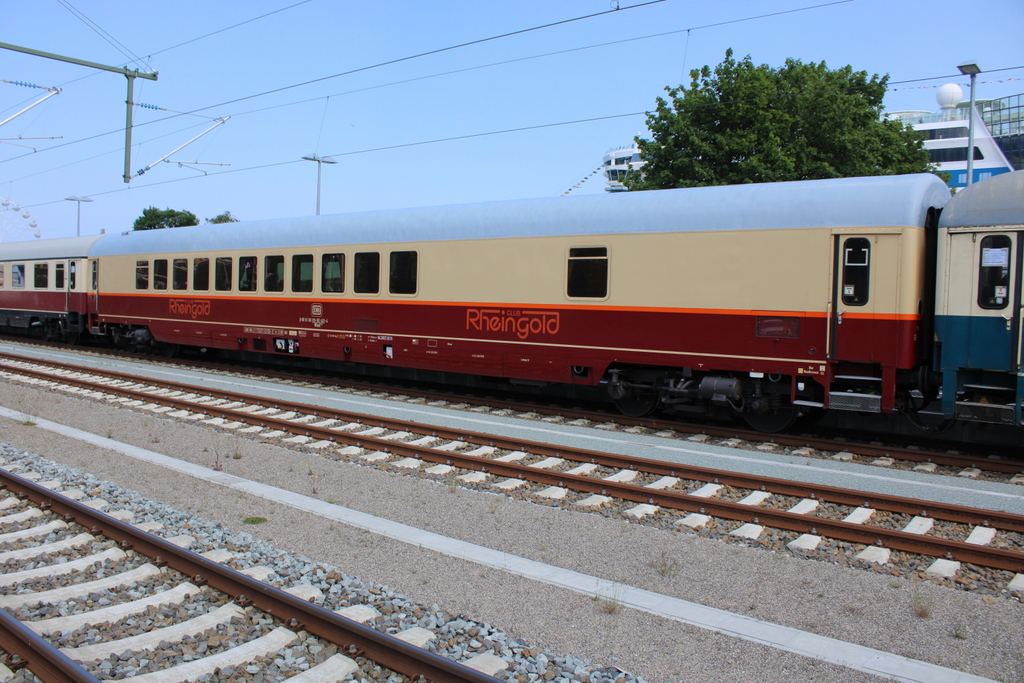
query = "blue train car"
x=978 y=330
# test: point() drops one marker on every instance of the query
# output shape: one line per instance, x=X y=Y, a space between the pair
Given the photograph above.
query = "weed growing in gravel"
x=959 y=632
x=237 y=454
x=254 y=520
x=921 y=606
x=110 y=432
x=607 y=604
x=665 y=565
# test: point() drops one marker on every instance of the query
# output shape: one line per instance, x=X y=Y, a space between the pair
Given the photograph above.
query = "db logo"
x=317 y=310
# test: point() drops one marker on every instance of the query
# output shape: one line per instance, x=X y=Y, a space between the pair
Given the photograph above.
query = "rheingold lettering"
x=193 y=308
x=523 y=324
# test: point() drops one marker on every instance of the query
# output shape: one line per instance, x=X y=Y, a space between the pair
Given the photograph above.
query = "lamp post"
x=79 y=200
x=970 y=69
x=320 y=161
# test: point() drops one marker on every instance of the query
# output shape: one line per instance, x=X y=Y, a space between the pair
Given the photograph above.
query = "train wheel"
x=638 y=404
x=168 y=350
x=71 y=338
x=773 y=421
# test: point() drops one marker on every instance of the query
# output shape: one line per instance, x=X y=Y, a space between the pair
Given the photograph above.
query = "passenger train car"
x=979 y=337
x=767 y=301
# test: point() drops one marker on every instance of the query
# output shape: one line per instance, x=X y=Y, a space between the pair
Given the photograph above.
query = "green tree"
x=153 y=219
x=753 y=124
x=225 y=217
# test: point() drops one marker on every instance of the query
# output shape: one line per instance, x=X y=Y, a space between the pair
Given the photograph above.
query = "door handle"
x=1009 y=322
x=839 y=317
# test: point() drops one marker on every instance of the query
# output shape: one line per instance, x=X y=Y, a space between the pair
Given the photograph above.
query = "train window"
x=332 y=273
x=1 y=276
x=588 y=272
x=366 y=275
x=273 y=278
x=159 y=273
x=856 y=271
x=222 y=274
x=41 y=276
x=302 y=273
x=18 y=276
x=403 y=272
x=95 y=275
x=994 y=273
x=247 y=273
x=73 y=278
x=179 y=273
x=142 y=275
x=58 y=275
x=201 y=274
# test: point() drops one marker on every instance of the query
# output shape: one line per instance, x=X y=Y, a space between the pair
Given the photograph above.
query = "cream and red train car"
x=768 y=300
x=45 y=287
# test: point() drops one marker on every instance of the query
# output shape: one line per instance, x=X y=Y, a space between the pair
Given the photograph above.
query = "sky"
x=420 y=104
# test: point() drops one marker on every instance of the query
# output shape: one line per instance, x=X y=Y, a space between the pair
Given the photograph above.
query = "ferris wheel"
x=15 y=220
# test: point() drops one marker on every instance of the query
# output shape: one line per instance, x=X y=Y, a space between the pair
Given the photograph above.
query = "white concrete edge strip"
x=857 y=657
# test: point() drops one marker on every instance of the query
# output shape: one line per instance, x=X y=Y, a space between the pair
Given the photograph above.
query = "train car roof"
x=58 y=248
x=998 y=200
x=848 y=202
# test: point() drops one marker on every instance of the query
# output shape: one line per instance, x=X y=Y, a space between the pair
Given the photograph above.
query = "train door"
x=91 y=285
x=864 y=297
x=989 y=314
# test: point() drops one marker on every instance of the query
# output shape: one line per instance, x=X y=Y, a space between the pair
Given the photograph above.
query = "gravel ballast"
x=971 y=632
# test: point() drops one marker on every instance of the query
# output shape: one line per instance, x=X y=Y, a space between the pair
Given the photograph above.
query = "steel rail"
x=946 y=512
x=297 y=614
x=37 y=654
x=793 y=441
x=856 y=533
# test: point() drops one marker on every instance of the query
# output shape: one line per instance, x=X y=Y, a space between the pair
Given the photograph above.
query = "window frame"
x=398 y=278
x=325 y=259
x=160 y=274
x=360 y=278
x=222 y=273
x=580 y=262
x=142 y=275
x=179 y=274
x=253 y=263
x=985 y=280
x=41 y=273
x=300 y=285
x=273 y=267
x=863 y=278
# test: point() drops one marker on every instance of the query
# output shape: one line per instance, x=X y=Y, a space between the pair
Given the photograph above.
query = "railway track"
x=56 y=550
x=926 y=453
x=876 y=529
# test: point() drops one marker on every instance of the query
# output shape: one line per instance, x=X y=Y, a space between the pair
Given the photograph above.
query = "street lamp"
x=970 y=69
x=79 y=200
x=320 y=161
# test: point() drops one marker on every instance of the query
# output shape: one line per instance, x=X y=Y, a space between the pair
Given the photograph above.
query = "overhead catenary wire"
x=117 y=45
x=374 y=66
x=456 y=71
